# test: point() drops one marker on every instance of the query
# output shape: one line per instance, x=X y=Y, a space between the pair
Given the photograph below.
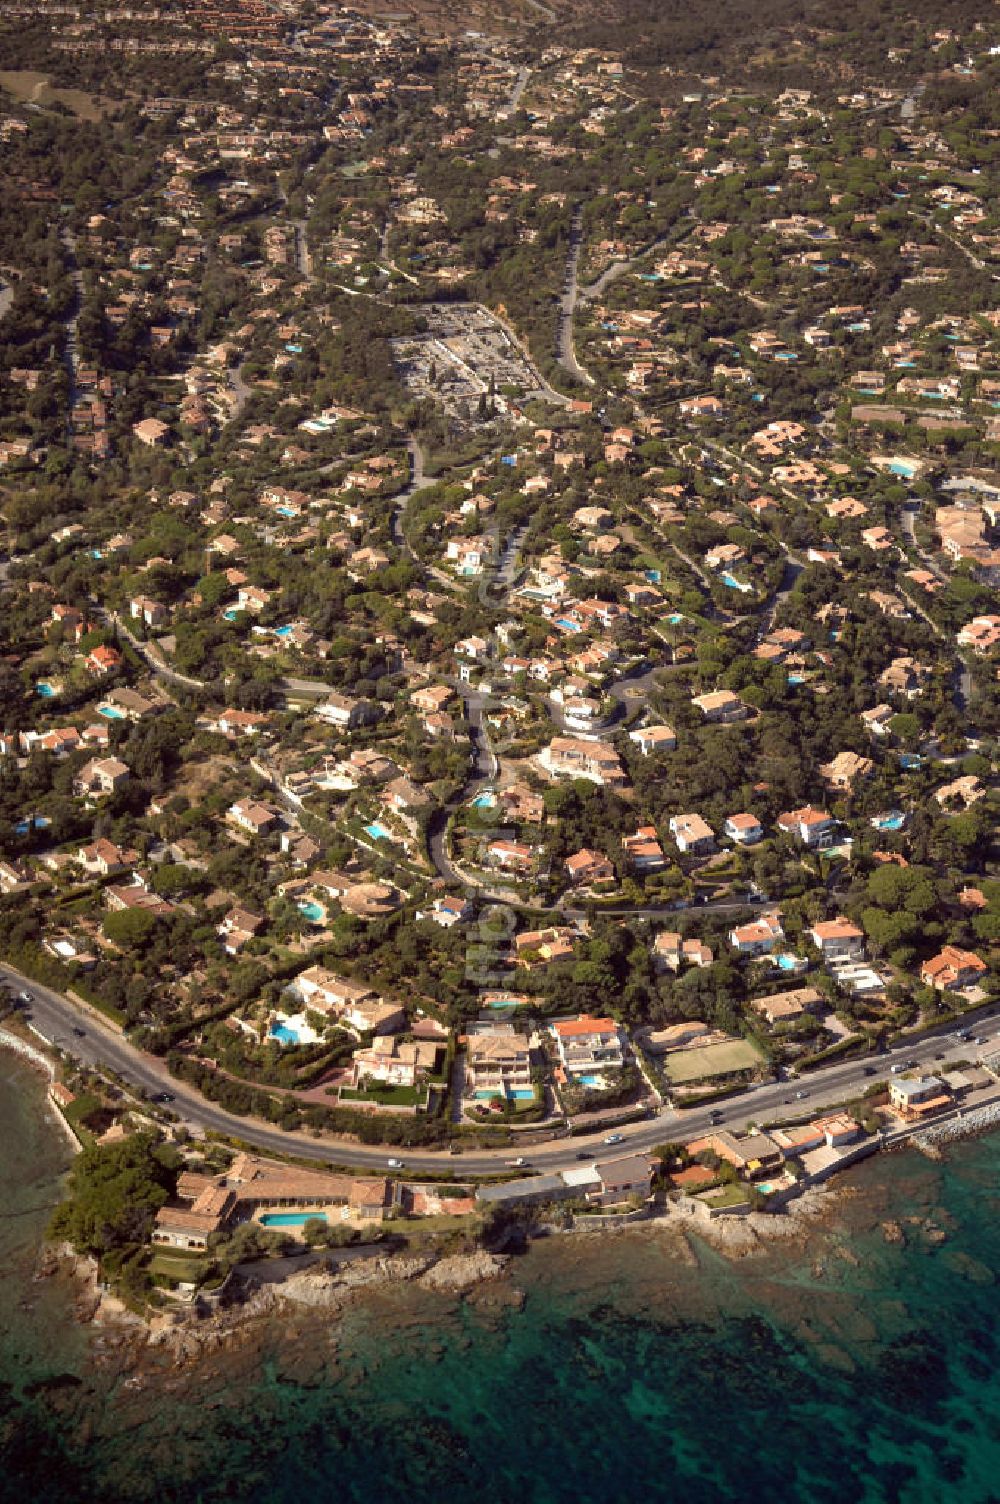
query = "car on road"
x=520 y=1160
x=615 y=1138
x=26 y=997
x=939 y=1055
x=163 y=1096
x=584 y=1154
x=869 y=1070
x=965 y=1036
x=80 y=1033
x=980 y=1039
x=394 y=1164
x=800 y=1096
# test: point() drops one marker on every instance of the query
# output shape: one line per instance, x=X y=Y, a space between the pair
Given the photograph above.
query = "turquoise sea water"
x=856 y=1365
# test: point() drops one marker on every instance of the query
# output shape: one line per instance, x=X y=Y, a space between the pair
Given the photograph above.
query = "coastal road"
x=87 y=1038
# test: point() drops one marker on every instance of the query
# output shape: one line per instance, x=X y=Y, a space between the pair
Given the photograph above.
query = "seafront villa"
x=271 y=1193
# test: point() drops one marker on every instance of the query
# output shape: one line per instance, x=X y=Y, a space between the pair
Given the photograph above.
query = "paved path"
x=565 y=351
x=397 y=518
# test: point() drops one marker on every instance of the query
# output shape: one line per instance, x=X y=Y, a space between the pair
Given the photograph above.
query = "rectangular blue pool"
x=291 y=1219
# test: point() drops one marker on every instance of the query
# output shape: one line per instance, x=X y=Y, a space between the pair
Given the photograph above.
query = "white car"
x=394 y=1164
x=615 y=1138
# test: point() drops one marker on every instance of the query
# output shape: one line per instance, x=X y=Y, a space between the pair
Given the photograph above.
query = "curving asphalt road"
x=87 y=1038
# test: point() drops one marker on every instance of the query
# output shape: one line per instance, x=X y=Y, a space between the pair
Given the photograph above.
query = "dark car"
x=80 y=1033
x=870 y=1070
x=163 y=1096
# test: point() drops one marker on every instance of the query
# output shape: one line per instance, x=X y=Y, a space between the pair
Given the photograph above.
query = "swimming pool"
x=40 y=822
x=378 y=832
x=594 y=1081
x=675 y=619
x=232 y=613
x=522 y=1094
x=291 y=1219
x=895 y=820
x=111 y=712
x=284 y=631
x=902 y=467
x=796 y=679
x=504 y=1002
x=787 y=962
x=46 y=690
x=484 y=801
x=734 y=584
x=314 y=912
x=283 y=1034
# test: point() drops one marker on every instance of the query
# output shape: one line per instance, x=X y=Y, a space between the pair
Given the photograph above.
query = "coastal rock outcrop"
x=326 y=1287
x=463 y=1270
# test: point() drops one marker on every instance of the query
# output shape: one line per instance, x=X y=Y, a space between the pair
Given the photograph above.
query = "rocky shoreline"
x=188 y=1332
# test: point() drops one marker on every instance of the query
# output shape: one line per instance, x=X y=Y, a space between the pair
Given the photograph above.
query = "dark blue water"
x=846 y=1367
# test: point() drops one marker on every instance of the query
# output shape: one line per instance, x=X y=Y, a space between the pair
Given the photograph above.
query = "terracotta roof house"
x=721 y=706
x=758 y=937
x=786 y=1007
x=643 y=850
x=654 y=739
x=586 y=1043
x=586 y=866
x=953 y=969
x=693 y=835
x=744 y=829
x=813 y=827
x=838 y=939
